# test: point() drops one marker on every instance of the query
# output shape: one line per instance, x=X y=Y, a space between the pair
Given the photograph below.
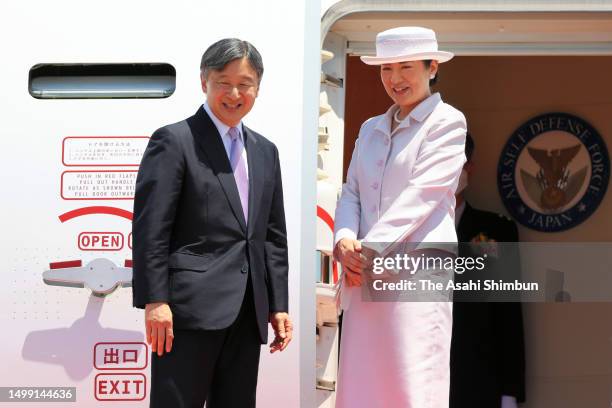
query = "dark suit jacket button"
x=245 y=269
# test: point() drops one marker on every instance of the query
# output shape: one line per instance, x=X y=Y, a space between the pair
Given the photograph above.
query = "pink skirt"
x=394 y=354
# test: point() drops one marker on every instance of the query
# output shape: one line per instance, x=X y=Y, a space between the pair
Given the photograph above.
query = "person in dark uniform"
x=487 y=347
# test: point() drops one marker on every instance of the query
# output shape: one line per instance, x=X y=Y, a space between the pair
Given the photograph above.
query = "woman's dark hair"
x=434 y=80
x=469 y=146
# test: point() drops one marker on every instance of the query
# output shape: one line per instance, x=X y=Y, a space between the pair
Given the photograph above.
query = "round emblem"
x=553 y=172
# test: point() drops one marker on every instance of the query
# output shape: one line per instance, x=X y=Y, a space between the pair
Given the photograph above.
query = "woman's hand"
x=348 y=253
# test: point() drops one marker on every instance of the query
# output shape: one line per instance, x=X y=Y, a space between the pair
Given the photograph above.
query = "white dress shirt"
x=401 y=186
x=225 y=137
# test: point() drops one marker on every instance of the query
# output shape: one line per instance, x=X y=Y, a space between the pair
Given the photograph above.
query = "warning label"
x=98 y=185
x=103 y=151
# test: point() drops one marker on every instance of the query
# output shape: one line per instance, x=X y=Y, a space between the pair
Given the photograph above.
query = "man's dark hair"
x=434 y=80
x=224 y=51
x=469 y=146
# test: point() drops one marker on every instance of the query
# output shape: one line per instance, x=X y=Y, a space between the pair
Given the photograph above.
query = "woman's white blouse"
x=401 y=186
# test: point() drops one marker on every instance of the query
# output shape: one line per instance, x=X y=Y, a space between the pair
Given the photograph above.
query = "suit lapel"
x=256 y=164
x=209 y=139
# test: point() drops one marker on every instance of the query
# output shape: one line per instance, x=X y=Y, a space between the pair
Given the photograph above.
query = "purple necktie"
x=238 y=162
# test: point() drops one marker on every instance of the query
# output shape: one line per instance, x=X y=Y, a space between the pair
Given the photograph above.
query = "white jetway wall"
x=334 y=120
x=329 y=175
x=52 y=331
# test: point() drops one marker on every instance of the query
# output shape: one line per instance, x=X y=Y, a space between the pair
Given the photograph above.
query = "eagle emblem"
x=554 y=178
x=553 y=172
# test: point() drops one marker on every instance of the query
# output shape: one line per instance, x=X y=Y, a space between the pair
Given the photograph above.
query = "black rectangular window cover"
x=102 y=81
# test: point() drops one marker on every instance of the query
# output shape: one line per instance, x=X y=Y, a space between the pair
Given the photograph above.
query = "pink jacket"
x=401 y=187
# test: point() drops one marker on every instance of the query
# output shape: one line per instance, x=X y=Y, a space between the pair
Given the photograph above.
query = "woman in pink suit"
x=400 y=188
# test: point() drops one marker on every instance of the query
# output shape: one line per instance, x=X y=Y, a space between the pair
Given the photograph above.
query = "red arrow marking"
x=324 y=215
x=327 y=219
x=119 y=212
x=65 y=264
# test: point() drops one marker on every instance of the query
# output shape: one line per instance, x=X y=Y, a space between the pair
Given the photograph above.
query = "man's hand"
x=158 y=323
x=283 y=331
x=349 y=253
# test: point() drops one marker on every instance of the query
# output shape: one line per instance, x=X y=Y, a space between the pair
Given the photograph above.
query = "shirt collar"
x=221 y=127
x=423 y=109
x=419 y=113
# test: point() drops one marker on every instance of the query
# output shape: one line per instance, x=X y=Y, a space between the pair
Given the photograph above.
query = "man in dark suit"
x=210 y=246
x=487 y=347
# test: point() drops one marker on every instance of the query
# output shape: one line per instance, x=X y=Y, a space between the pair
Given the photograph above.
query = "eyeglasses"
x=227 y=87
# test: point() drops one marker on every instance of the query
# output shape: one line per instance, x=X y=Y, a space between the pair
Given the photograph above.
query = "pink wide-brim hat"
x=407 y=44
